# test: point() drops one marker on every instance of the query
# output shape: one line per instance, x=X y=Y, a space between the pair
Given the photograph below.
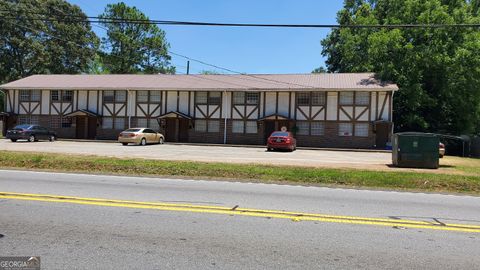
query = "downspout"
x=225 y=117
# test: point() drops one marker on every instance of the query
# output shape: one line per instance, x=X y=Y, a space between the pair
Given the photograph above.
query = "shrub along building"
x=322 y=110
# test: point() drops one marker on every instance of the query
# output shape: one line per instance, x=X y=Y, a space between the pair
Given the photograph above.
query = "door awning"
x=175 y=115
x=274 y=117
x=81 y=113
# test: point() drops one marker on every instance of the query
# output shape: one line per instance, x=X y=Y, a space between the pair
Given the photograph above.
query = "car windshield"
x=23 y=127
x=280 y=134
x=133 y=130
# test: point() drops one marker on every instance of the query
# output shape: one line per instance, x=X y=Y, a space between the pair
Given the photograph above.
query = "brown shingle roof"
x=277 y=82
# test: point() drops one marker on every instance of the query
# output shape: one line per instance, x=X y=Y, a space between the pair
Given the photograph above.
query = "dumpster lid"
x=420 y=134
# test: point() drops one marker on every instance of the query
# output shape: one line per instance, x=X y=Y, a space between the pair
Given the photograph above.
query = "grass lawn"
x=397 y=180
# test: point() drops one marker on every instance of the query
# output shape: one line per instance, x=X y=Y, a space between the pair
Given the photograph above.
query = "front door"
x=183 y=126
x=92 y=127
x=171 y=130
x=269 y=129
x=382 y=132
x=81 y=127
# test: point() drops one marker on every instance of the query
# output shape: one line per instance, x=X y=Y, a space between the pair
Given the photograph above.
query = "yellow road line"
x=295 y=216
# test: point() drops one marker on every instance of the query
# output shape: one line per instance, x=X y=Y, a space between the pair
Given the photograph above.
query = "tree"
x=320 y=70
x=209 y=72
x=437 y=69
x=38 y=37
x=131 y=47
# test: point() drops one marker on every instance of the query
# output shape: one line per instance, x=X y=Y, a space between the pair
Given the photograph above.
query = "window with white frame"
x=252 y=98
x=142 y=96
x=23 y=119
x=214 y=98
x=201 y=125
x=119 y=123
x=346 y=98
x=318 y=98
x=108 y=96
x=155 y=96
x=237 y=126
x=362 y=98
x=238 y=98
x=361 y=130
x=120 y=96
x=303 y=128
x=317 y=128
x=107 y=123
x=345 y=129
x=213 y=126
x=201 y=98
x=54 y=95
x=29 y=95
x=67 y=96
x=251 y=127
x=303 y=98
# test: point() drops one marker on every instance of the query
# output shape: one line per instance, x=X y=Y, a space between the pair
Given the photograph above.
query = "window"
x=66 y=122
x=108 y=96
x=202 y=98
x=237 y=126
x=317 y=129
x=149 y=96
x=155 y=96
x=119 y=123
x=30 y=95
x=361 y=130
x=213 y=126
x=120 y=96
x=107 y=123
x=362 y=98
x=142 y=122
x=318 y=98
x=201 y=125
x=67 y=96
x=345 y=129
x=142 y=96
x=24 y=95
x=55 y=122
x=252 y=98
x=303 y=128
x=153 y=124
x=54 y=96
x=214 y=98
x=238 y=98
x=346 y=98
x=251 y=127
x=303 y=99
x=23 y=119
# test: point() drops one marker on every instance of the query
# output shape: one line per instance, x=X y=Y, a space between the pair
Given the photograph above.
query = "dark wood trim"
x=361 y=114
x=303 y=113
x=195 y=105
x=289 y=104
x=390 y=106
x=325 y=107
x=88 y=100
x=239 y=113
x=189 y=101
x=349 y=117
x=338 y=106
x=214 y=111
x=383 y=106
x=264 y=103
x=178 y=99
x=376 y=106
x=276 y=103
x=316 y=114
x=370 y=108
x=77 y=94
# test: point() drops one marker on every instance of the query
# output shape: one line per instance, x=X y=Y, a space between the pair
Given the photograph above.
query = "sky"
x=246 y=50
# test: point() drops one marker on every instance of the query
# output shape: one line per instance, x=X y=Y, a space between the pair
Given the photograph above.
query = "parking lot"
x=208 y=153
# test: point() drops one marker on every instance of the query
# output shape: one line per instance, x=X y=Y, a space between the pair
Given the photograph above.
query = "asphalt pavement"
x=153 y=223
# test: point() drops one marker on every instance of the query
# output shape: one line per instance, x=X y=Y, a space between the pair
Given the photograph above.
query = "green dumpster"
x=415 y=150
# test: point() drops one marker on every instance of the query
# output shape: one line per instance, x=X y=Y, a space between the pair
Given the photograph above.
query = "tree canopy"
x=133 y=48
x=437 y=69
x=30 y=46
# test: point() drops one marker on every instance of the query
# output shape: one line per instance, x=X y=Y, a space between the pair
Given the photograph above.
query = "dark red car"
x=281 y=140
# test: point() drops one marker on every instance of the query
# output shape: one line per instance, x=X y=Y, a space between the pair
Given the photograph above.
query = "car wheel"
x=161 y=141
x=143 y=142
x=124 y=143
x=51 y=138
x=13 y=140
x=269 y=149
x=31 y=138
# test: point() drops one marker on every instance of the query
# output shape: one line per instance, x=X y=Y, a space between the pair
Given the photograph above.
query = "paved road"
x=71 y=235
x=208 y=153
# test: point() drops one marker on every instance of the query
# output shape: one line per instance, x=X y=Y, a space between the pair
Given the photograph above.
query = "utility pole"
x=188 y=67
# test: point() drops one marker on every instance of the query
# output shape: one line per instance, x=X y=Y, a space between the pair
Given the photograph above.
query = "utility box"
x=415 y=150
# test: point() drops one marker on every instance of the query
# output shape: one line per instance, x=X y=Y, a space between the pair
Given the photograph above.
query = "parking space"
x=207 y=153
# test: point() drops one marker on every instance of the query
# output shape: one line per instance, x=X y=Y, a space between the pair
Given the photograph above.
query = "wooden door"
x=81 y=122
x=171 y=130
x=183 y=127
x=269 y=128
x=382 y=134
x=92 y=128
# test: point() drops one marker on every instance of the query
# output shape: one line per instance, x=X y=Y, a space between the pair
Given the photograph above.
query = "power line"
x=107 y=20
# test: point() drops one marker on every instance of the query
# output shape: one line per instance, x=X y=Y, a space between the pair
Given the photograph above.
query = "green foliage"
x=32 y=46
x=319 y=70
x=437 y=69
x=133 y=48
x=209 y=72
